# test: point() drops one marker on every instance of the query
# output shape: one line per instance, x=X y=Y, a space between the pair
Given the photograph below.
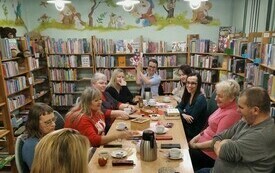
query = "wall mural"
x=143 y=14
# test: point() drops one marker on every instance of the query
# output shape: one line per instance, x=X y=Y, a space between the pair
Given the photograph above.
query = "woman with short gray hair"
x=201 y=153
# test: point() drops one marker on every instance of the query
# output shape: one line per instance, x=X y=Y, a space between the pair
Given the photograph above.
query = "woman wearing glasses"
x=193 y=106
x=41 y=121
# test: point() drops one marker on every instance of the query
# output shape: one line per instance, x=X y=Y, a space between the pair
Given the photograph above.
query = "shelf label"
x=266 y=34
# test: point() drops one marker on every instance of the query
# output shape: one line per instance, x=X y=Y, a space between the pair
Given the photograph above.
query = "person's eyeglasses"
x=191 y=83
x=49 y=122
x=152 y=66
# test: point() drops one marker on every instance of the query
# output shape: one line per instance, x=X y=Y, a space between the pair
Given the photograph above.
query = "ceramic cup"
x=160 y=129
x=152 y=102
x=121 y=126
x=174 y=153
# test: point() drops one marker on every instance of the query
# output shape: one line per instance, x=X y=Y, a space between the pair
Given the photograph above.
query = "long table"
x=181 y=165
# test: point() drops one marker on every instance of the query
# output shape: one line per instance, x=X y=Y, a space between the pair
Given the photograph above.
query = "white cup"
x=160 y=129
x=152 y=102
x=145 y=102
x=121 y=126
x=174 y=153
x=128 y=110
x=166 y=99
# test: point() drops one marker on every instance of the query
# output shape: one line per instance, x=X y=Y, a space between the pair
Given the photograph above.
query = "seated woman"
x=41 y=121
x=117 y=88
x=183 y=71
x=193 y=106
x=224 y=117
x=87 y=117
x=62 y=151
x=110 y=106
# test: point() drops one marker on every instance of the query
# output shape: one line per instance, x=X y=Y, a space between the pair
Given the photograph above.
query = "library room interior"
x=167 y=86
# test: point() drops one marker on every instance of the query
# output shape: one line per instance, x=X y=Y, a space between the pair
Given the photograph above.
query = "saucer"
x=121 y=129
x=174 y=158
x=154 y=117
x=119 y=154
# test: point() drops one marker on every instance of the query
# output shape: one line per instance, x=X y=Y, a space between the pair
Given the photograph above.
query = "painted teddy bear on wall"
x=143 y=11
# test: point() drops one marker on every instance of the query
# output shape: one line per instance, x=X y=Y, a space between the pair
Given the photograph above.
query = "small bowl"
x=154 y=117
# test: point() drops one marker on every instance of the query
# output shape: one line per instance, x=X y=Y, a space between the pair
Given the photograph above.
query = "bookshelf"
x=38 y=66
x=110 y=54
x=70 y=68
x=13 y=83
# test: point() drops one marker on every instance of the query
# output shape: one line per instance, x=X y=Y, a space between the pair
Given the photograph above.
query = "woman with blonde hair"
x=117 y=88
x=111 y=107
x=86 y=117
x=62 y=151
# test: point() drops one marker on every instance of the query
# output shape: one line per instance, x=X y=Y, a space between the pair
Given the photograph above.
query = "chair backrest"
x=59 y=123
x=20 y=164
x=212 y=104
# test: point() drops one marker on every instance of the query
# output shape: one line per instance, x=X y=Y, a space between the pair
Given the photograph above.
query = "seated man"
x=149 y=80
x=248 y=146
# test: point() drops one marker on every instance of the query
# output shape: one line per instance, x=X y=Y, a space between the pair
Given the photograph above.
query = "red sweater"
x=92 y=126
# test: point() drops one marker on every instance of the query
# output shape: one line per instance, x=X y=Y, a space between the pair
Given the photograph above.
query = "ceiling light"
x=195 y=4
x=59 y=4
x=128 y=5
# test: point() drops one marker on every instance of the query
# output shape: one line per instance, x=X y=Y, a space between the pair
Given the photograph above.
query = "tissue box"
x=140 y=124
x=172 y=113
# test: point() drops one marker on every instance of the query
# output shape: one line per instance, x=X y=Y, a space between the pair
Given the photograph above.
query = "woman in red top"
x=87 y=118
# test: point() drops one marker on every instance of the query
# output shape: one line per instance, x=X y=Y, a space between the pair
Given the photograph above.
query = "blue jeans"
x=204 y=170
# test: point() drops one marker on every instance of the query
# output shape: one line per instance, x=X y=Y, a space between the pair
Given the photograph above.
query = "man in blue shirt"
x=150 y=79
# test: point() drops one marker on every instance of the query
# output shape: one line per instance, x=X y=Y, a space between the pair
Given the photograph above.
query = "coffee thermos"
x=147 y=95
x=148 y=146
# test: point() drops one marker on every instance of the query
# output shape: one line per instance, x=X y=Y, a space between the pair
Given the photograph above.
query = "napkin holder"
x=172 y=113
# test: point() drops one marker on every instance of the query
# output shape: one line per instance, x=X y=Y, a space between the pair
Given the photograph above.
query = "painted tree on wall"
x=169 y=8
x=4 y=8
x=95 y=5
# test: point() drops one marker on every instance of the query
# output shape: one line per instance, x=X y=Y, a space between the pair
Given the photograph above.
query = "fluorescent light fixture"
x=128 y=5
x=195 y=4
x=59 y=4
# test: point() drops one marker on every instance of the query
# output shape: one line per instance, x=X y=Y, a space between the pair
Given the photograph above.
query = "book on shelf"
x=120 y=46
x=121 y=61
x=130 y=74
x=224 y=40
x=85 y=61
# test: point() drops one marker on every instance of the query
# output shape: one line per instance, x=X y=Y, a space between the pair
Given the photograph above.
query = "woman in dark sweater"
x=117 y=88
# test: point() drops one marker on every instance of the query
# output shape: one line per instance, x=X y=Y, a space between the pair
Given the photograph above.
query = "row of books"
x=200 y=45
x=33 y=63
x=10 y=68
x=238 y=46
x=163 y=61
x=204 y=61
x=62 y=61
x=16 y=101
x=208 y=89
x=154 y=47
x=63 y=100
x=18 y=44
x=16 y=84
x=168 y=86
x=71 y=46
x=63 y=74
x=209 y=76
x=268 y=55
x=236 y=65
x=63 y=87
